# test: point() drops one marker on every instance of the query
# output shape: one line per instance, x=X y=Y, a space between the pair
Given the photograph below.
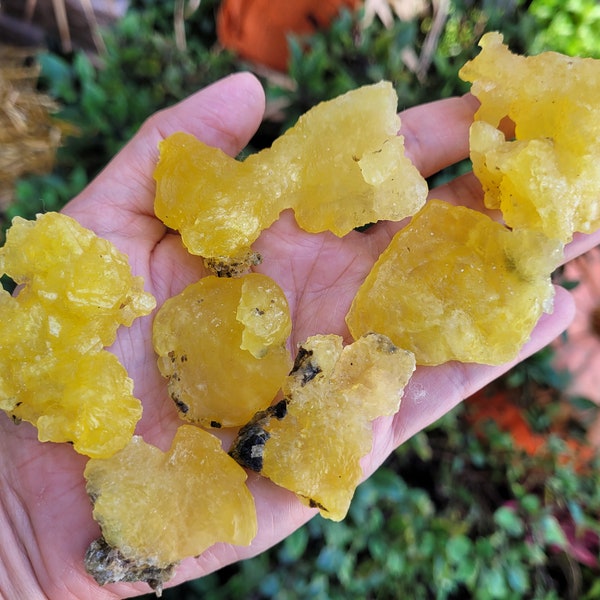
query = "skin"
x=45 y=514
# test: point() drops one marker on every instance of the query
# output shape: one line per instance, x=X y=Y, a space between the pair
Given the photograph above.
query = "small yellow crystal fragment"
x=455 y=285
x=547 y=177
x=222 y=345
x=76 y=290
x=341 y=166
x=156 y=508
x=312 y=441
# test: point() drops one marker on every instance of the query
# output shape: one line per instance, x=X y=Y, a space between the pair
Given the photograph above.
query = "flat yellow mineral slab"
x=548 y=177
x=312 y=441
x=455 y=285
x=157 y=508
x=76 y=290
x=222 y=345
x=340 y=167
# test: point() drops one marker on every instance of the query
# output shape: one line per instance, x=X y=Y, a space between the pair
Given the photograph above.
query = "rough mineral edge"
x=312 y=441
x=156 y=508
x=76 y=290
x=108 y=565
x=548 y=177
x=450 y=279
x=340 y=167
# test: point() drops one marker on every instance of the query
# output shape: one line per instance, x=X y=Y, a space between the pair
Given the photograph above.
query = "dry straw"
x=29 y=136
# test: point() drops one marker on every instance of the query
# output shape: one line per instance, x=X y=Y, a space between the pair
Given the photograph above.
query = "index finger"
x=436 y=134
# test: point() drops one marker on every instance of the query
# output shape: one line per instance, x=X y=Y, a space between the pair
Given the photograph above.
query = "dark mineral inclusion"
x=248 y=447
x=107 y=565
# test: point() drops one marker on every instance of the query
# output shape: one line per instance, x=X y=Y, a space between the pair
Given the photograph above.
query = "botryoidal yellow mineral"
x=76 y=291
x=456 y=285
x=156 y=508
x=222 y=345
x=311 y=442
x=340 y=167
x=548 y=177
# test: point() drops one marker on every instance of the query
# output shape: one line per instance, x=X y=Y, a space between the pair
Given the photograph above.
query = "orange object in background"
x=499 y=406
x=257 y=29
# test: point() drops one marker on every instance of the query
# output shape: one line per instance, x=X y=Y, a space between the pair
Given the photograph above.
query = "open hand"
x=45 y=514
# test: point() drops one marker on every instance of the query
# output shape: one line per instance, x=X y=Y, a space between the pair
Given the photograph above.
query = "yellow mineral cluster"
x=222 y=345
x=340 y=167
x=455 y=285
x=156 y=508
x=548 y=176
x=311 y=442
x=76 y=289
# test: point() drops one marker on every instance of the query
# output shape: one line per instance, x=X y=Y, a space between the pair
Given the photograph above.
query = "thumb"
x=225 y=114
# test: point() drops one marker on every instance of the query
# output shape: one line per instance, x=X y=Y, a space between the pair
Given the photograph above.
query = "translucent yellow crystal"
x=222 y=344
x=312 y=441
x=158 y=507
x=547 y=177
x=341 y=166
x=79 y=276
x=76 y=290
x=455 y=285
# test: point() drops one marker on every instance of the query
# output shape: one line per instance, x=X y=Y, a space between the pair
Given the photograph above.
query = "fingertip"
x=564 y=309
x=436 y=134
x=225 y=114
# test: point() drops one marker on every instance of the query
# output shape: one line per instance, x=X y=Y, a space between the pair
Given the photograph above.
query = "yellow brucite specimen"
x=312 y=441
x=156 y=508
x=80 y=277
x=222 y=345
x=455 y=285
x=547 y=177
x=76 y=290
x=86 y=399
x=340 y=167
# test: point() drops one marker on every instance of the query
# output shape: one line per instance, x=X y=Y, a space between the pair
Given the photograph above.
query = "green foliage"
x=569 y=27
x=452 y=514
x=142 y=72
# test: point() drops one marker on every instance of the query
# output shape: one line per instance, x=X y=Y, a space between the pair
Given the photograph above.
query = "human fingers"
x=466 y=190
x=581 y=243
x=434 y=391
x=225 y=115
x=436 y=134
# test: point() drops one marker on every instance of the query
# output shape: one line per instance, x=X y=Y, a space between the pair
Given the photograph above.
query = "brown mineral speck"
x=108 y=565
x=233 y=266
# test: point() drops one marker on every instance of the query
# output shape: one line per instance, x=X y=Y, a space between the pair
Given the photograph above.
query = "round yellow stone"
x=222 y=345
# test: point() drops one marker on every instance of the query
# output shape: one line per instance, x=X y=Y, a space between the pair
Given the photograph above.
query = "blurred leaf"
x=509 y=520
x=294 y=546
x=551 y=531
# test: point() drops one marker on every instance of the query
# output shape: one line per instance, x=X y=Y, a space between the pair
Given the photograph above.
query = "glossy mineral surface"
x=548 y=176
x=455 y=285
x=341 y=166
x=312 y=441
x=222 y=345
x=157 y=508
x=76 y=290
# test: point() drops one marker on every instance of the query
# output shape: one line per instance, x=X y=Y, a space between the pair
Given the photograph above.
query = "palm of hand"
x=320 y=275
